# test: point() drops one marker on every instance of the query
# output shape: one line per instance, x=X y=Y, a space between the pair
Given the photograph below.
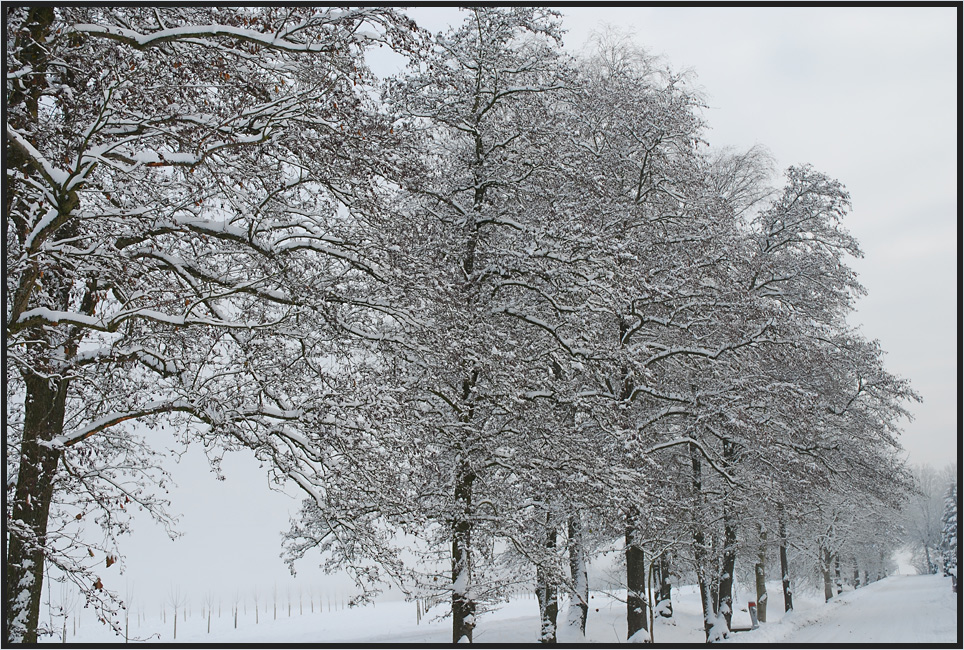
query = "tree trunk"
x=579 y=604
x=784 y=564
x=856 y=574
x=664 y=598
x=729 y=545
x=463 y=605
x=838 y=581
x=547 y=593
x=729 y=566
x=708 y=578
x=45 y=399
x=463 y=602
x=825 y=561
x=44 y=406
x=635 y=578
x=759 y=571
x=710 y=598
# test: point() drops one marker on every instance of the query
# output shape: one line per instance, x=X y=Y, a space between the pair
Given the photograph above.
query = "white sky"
x=867 y=95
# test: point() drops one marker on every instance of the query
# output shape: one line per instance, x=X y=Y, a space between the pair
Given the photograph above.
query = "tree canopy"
x=502 y=310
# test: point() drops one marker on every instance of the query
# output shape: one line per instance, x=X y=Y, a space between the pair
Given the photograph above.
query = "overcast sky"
x=866 y=95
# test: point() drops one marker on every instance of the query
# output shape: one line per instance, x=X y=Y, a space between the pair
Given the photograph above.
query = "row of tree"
x=950 y=544
x=501 y=314
x=924 y=517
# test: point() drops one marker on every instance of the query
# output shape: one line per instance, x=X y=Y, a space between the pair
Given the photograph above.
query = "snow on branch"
x=98 y=425
x=706 y=352
x=57 y=178
x=43 y=316
x=538 y=322
x=195 y=34
x=699 y=446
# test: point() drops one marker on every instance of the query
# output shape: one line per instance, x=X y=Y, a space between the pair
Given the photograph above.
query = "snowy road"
x=898 y=609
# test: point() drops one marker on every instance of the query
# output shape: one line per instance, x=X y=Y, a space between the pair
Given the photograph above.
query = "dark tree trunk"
x=825 y=562
x=635 y=561
x=709 y=597
x=707 y=577
x=45 y=392
x=729 y=566
x=729 y=545
x=759 y=571
x=699 y=545
x=29 y=88
x=856 y=574
x=547 y=593
x=635 y=577
x=784 y=564
x=44 y=406
x=838 y=581
x=579 y=574
x=463 y=607
x=664 y=597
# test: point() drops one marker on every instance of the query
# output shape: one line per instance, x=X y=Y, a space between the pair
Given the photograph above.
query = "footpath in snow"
x=898 y=609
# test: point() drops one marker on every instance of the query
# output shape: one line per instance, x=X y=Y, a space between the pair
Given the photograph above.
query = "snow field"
x=898 y=609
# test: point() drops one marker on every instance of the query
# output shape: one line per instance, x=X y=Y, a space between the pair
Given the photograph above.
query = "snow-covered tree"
x=180 y=186
x=950 y=545
x=652 y=249
x=480 y=115
x=923 y=518
x=507 y=314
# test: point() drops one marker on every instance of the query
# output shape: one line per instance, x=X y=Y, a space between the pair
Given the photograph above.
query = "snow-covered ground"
x=899 y=609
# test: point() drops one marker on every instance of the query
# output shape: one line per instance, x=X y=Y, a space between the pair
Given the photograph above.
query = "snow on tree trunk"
x=708 y=578
x=44 y=401
x=726 y=576
x=825 y=562
x=547 y=593
x=729 y=554
x=579 y=574
x=759 y=570
x=838 y=580
x=463 y=605
x=784 y=564
x=714 y=624
x=635 y=578
x=43 y=419
x=664 y=597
